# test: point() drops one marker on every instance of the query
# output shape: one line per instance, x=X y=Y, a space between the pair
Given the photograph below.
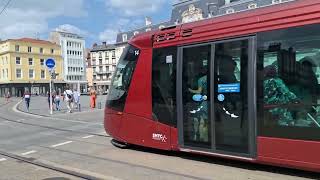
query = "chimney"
x=148 y=21
x=95 y=45
x=104 y=43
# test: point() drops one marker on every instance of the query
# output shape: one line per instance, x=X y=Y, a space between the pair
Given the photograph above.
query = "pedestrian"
x=7 y=96
x=68 y=98
x=57 y=101
x=27 y=97
x=76 y=98
x=93 y=97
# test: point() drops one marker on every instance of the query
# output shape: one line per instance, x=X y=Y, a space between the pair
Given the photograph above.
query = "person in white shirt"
x=76 y=98
x=68 y=97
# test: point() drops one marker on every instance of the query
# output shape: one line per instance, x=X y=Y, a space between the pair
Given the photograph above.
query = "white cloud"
x=134 y=7
x=108 y=35
x=123 y=24
x=26 y=18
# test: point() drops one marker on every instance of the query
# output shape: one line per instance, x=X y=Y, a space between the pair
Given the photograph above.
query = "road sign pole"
x=50 y=92
x=50 y=63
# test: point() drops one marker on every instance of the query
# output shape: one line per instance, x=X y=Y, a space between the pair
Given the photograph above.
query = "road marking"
x=3 y=159
x=86 y=137
x=64 y=143
x=29 y=152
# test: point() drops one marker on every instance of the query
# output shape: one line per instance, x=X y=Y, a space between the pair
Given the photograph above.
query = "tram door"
x=214 y=85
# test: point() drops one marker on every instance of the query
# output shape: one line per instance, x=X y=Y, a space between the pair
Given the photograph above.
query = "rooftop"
x=31 y=40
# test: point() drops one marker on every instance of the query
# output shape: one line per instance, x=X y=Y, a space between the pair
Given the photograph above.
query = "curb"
x=16 y=108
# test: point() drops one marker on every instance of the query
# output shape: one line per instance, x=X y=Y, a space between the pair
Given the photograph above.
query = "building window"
x=18 y=73
x=31 y=73
x=42 y=62
x=52 y=51
x=124 y=37
x=17 y=48
x=29 y=49
x=43 y=74
x=30 y=60
x=113 y=54
x=230 y=11
x=18 y=61
x=41 y=50
x=252 y=6
x=276 y=1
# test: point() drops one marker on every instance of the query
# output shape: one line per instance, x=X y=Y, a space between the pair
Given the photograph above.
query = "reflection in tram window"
x=289 y=71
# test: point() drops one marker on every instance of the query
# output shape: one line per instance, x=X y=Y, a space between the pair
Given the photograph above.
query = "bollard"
x=99 y=105
x=79 y=107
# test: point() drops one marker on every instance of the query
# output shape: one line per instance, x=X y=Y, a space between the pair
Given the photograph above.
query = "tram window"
x=289 y=83
x=122 y=78
x=164 y=85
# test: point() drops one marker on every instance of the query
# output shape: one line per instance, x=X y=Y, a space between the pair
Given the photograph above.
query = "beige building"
x=22 y=66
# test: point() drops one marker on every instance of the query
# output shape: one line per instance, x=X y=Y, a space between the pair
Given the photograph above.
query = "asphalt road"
x=75 y=146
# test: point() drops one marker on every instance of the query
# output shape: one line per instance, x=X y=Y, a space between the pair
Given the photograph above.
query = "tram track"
x=53 y=128
x=58 y=168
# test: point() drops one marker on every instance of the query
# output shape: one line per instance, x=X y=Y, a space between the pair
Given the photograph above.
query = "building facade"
x=185 y=11
x=89 y=70
x=72 y=51
x=104 y=59
x=22 y=66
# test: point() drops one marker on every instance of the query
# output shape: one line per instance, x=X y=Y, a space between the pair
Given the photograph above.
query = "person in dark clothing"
x=27 y=97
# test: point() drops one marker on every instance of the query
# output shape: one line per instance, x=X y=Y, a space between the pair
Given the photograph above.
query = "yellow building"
x=22 y=66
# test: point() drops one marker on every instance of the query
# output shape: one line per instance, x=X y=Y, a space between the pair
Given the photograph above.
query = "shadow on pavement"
x=231 y=163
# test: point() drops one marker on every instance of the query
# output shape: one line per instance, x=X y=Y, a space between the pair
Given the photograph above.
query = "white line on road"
x=3 y=159
x=86 y=137
x=29 y=152
x=64 y=143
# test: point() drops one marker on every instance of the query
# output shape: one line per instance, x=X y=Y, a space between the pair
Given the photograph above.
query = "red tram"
x=243 y=86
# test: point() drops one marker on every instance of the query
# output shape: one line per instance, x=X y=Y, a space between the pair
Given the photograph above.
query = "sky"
x=96 y=20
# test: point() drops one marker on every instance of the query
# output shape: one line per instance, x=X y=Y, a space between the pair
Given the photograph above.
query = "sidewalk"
x=39 y=105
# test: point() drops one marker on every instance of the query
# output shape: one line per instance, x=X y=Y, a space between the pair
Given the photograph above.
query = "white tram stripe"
x=64 y=143
x=86 y=137
x=3 y=159
x=29 y=152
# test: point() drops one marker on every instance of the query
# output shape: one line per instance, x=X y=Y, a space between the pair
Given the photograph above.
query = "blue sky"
x=96 y=20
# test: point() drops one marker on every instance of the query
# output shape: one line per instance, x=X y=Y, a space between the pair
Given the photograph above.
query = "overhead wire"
x=5 y=6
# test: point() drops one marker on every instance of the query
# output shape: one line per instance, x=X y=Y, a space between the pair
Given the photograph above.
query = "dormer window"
x=230 y=11
x=252 y=6
x=276 y=1
x=124 y=37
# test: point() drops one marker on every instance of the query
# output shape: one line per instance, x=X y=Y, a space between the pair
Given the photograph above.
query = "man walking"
x=68 y=97
x=27 y=97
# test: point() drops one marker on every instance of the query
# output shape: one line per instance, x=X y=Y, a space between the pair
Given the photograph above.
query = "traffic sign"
x=50 y=63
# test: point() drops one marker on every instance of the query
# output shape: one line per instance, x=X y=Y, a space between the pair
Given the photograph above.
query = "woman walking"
x=93 y=97
x=27 y=97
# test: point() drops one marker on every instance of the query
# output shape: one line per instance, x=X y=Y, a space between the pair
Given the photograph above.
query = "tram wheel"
x=119 y=144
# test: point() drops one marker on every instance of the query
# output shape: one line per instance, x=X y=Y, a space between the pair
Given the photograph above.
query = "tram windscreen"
x=122 y=77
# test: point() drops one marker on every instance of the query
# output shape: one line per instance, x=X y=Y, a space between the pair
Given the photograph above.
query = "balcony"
x=103 y=72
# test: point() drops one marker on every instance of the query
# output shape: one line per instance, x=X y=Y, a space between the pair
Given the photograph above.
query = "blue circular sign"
x=50 y=63
x=221 y=97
